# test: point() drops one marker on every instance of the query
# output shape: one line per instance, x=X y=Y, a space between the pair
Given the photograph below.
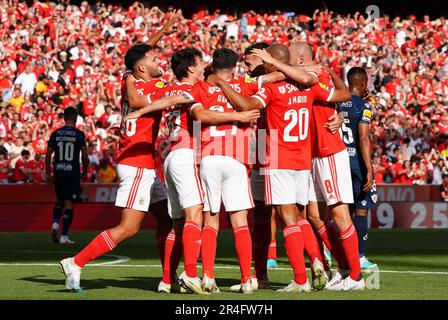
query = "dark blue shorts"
x=362 y=200
x=67 y=188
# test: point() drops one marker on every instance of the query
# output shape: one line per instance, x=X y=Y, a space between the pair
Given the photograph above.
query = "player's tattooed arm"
x=272 y=77
x=294 y=73
x=240 y=102
x=216 y=117
x=364 y=144
x=161 y=104
x=341 y=92
x=167 y=28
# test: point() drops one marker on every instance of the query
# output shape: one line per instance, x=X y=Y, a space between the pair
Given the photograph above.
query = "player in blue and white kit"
x=67 y=143
x=358 y=115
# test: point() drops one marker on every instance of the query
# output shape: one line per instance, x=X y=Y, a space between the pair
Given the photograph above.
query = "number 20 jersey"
x=289 y=115
x=138 y=136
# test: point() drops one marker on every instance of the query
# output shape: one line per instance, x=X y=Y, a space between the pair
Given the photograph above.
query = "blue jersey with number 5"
x=67 y=143
x=356 y=111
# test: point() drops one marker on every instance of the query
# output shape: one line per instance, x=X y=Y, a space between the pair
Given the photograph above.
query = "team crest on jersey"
x=282 y=90
x=160 y=84
x=249 y=79
x=324 y=86
x=374 y=198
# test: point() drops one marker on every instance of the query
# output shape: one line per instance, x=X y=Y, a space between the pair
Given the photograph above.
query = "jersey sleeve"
x=366 y=114
x=52 y=141
x=250 y=86
x=322 y=91
x=82 y=139
x=264 y=95
x=195 y=94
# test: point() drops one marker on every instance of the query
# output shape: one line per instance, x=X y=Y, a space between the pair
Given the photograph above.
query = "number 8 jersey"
x=138 y=136
x=289 y=115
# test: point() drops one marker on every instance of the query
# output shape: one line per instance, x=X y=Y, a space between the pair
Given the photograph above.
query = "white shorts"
x=139 y=188
x=285 y=186
x=257 y=185
x=183 y=181
x=331 y=179
x=225 y=179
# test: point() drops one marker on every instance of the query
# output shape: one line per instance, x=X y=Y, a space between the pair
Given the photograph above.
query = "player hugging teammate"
x=213 y=120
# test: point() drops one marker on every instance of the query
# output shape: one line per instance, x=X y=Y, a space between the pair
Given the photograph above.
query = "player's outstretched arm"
x=240 y=102
x=364 y=144
x=294 y=73
x=160 y=104
x=167 y=29
x=216 y=117
x=341 y=92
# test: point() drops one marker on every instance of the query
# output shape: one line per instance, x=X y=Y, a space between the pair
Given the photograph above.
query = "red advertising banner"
x=30 y=207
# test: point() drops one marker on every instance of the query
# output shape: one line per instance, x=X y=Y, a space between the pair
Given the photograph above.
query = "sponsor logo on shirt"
x=160 y=84
x=324 y=86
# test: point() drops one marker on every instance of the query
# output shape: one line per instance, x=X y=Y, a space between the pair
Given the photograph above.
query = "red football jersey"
x=289 y=115
x=231 y=140
x=180 y=122
x=324 y=142
x=38 y=168
x=138 y=136
x=18 y=174
x=4 y=169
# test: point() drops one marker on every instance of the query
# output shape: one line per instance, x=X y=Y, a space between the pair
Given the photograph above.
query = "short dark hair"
x=224 y=59
x=184 y=59
x=70 y=114
x=356 y=71
x=134 y=54
x=258 y=45
x=25 y=152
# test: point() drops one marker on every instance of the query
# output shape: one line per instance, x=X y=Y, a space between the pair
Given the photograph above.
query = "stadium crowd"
x=57 y=55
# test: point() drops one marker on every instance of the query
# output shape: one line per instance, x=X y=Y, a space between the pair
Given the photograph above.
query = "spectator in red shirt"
x=22 y=169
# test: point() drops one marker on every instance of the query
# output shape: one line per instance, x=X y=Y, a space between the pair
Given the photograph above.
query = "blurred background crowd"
x=54 y=55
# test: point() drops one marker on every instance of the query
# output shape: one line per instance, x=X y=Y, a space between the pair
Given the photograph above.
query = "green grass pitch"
x=413 y=265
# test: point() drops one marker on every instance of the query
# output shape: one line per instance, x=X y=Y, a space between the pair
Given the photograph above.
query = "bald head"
x=279 y=52
x=301 y=53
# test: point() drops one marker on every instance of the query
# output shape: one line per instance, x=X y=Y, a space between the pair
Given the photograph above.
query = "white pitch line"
x=114 y=264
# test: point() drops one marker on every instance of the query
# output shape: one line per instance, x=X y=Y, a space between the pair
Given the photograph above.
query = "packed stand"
x=58 y=55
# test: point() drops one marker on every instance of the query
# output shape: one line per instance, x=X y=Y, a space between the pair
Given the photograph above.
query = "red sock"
x=272 y=253
x=349 y=240
x=208 y=251
x=169 y=244
x=294 y=249
x=330 y=237
x=321 y=252
x=309 y=240
x=160 y=244
x=243 y=246
x=103 y=243
x=261 y=248
x=176 y=256
x=192 y=246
